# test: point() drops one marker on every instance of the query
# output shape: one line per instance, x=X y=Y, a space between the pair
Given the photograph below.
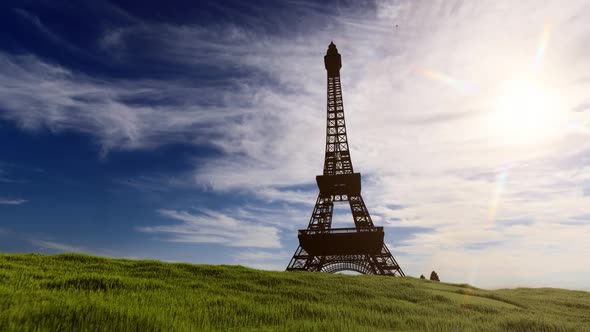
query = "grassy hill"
x=85 y=293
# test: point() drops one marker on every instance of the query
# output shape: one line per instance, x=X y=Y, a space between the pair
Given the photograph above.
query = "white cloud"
x=50 y=245
x=528 y=255
x=6 y=201
x=155 y=182
x=215 y=227
x=109 y=110
x=5 y=176
x=263 y=260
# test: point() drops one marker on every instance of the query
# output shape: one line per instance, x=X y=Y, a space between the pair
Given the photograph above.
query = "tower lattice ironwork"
x=321 y=247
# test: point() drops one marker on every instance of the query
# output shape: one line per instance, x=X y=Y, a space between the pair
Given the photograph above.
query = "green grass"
x=72 y=292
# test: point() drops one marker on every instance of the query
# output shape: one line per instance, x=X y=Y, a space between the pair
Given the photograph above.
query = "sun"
x=525 y=111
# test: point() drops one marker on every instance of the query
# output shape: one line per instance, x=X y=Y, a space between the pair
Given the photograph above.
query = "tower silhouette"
x=321 y=247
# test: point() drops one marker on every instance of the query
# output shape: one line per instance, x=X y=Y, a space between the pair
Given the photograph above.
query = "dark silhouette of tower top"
x=332 y=50
x=333 y=61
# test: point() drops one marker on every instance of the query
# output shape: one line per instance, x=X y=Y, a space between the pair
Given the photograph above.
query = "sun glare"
x=527 y=112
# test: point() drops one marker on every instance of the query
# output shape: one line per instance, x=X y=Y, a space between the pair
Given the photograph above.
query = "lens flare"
x=472 y=280
x=501 y=178
x=541 y=49
x=457 y=84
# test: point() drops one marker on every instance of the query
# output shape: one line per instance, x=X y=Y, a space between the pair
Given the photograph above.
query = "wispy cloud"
x=263 y=260
x=109 y=110
x=215 y=227
x=55 y=246
x=155 y=182
x=4 y=176
x=36 y=22
x=6 y=201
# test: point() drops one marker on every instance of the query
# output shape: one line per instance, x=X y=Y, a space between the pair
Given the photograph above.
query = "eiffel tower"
x=321 y=247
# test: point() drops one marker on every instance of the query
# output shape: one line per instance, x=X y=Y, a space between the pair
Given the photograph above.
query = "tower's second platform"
x=342 y=241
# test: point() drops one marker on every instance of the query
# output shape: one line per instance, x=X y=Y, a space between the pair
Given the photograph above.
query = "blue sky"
x=193 y=130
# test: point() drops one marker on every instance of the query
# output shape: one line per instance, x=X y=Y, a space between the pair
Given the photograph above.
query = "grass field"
x=72 y=292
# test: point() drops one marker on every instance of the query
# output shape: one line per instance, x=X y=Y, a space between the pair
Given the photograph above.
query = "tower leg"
x=299 y=261
x=321 y=219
